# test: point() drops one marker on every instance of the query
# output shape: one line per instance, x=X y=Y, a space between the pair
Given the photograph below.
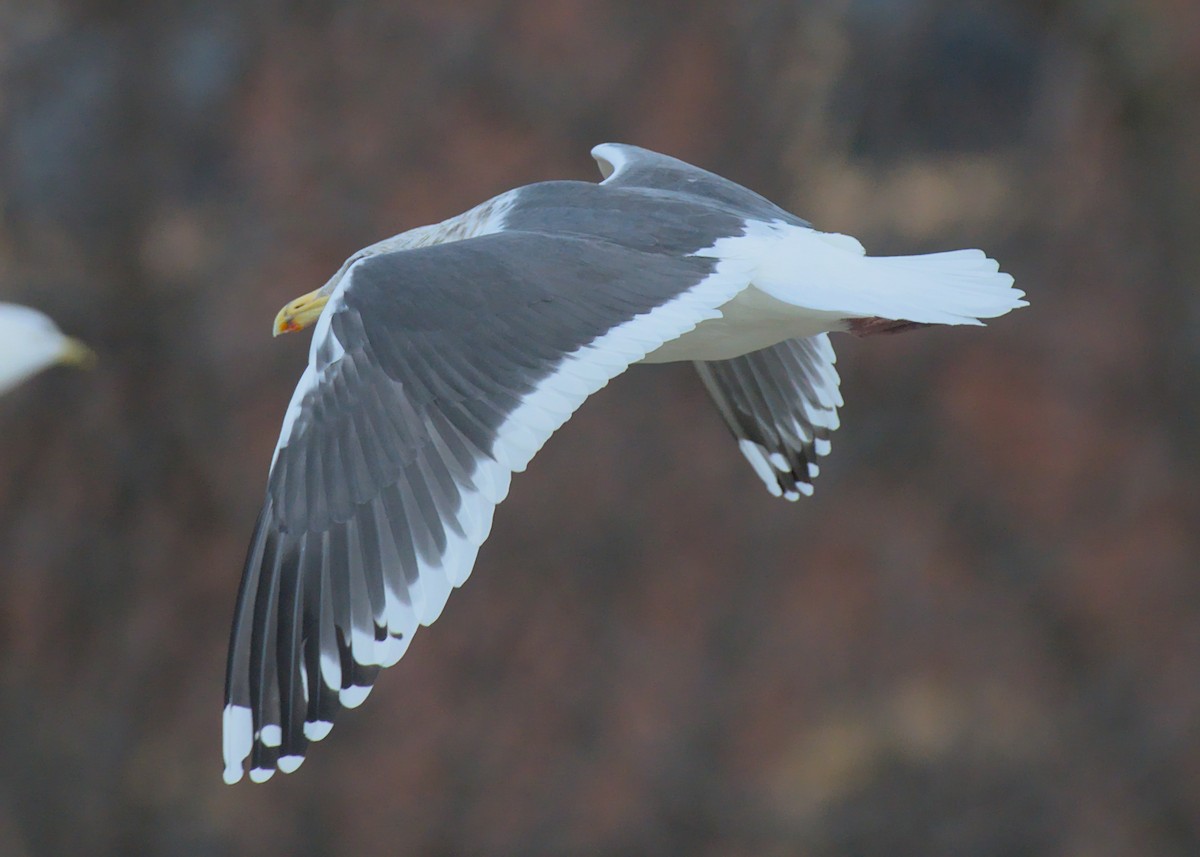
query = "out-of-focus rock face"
x=981 y=636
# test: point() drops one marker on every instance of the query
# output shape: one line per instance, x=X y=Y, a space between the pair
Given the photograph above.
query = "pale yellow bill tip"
x=76 y=353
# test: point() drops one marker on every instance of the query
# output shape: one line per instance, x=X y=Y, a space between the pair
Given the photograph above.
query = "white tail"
x=831 y=273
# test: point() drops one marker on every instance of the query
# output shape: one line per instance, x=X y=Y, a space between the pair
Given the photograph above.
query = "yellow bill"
x=75 y=353
x=300 y=313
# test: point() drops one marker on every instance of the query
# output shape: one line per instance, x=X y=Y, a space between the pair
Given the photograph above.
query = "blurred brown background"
x=981 y=637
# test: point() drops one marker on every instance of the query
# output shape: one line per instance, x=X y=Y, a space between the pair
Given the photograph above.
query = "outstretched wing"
x=781 y=404
x=434 y=374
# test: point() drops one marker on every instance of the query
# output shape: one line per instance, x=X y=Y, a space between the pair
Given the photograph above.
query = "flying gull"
x=444 y=357
x=31 y=342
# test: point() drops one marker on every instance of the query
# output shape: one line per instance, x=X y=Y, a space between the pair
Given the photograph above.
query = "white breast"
x=751 y=321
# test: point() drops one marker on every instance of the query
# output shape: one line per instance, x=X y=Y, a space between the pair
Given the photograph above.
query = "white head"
x=30 y=342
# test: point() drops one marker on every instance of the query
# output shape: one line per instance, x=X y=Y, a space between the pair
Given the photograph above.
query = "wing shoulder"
x=625 y=166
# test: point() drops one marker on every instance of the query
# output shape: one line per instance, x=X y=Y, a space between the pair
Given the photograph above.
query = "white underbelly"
x=753 y=320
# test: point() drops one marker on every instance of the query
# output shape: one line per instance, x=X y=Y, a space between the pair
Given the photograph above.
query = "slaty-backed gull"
x=31 y=342
x=443 y=358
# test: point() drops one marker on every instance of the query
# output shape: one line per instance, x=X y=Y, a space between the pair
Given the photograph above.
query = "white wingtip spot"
x=261 y=775
x=315 y=730
x=237 y=727
x=392 y=649
x=271 y=736
x=287 y=764
x=804 y=488
x=822 y=446
x=814 y=470
x=758 y=460
x=353 y=697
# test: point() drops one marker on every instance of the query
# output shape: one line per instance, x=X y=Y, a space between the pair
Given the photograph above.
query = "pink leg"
x=875 y=326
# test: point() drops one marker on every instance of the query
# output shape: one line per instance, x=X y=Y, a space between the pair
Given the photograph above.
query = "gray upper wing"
x=781 y=404
x=625 y=166
x=434 y=374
